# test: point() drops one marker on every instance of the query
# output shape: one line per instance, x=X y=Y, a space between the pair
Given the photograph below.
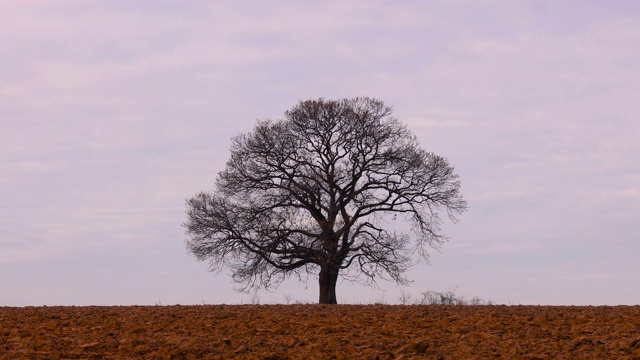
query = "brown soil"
x=320 y=332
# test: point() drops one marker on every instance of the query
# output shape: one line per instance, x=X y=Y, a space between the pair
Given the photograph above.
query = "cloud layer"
x=112 y=114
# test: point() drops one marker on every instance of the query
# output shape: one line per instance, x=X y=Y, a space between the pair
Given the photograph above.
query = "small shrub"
x=287 y=299
x=449 y=297
x=404 y=298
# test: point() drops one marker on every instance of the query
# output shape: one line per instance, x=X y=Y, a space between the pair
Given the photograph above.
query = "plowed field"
x=320 y=332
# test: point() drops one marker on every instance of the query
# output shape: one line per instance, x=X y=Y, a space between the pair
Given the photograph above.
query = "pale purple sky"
x=113 y=113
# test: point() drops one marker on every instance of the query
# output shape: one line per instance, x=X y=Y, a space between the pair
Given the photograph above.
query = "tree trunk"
x=328 y=280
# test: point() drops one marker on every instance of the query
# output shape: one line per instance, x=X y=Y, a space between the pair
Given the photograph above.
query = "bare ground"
x=320 y=332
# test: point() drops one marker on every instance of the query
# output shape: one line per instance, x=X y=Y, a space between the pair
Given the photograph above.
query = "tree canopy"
x=317 y=192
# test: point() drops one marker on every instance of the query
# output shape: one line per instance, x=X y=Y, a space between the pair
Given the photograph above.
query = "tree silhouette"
x=312 y=193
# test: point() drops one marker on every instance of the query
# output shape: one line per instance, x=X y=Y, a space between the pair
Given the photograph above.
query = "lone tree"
x=314 y=191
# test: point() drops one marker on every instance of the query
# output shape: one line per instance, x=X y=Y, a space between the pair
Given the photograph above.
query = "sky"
x=113 y=113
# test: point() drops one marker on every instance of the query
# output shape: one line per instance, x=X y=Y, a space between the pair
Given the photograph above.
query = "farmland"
x=320 y=332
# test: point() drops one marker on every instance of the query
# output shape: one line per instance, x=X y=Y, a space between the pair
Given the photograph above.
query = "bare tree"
x=317 y=191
